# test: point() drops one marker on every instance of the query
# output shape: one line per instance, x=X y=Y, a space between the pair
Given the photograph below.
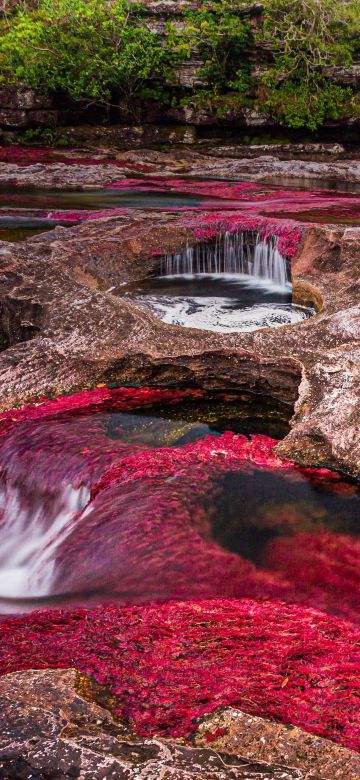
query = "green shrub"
x=222 y=39
x=91 y=51
x=104 y=52
x=307 y=38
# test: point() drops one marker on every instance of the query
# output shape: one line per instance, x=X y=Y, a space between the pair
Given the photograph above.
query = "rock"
x=347 y=76
x=267 y=168
x=235 y=732
x=126 y=137
x=24 y=99
x=282 y=151
x=16 y=118
x=22 y=108
x=52 y=729
x=87 y=336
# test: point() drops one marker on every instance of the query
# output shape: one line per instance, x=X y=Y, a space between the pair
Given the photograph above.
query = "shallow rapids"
x=169 y=494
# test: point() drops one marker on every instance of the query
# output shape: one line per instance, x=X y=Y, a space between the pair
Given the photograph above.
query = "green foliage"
x=88 y=50
x=307 y=38
x=222 y=39
x=104 y=52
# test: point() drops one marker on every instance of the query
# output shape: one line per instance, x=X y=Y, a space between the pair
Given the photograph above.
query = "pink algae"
x=156 y=494
x=170 y=664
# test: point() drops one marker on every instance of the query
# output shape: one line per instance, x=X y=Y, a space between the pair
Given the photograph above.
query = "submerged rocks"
x=168 y=665
x=51 y=727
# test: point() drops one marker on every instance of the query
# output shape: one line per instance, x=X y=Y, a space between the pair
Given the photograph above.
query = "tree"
x=91 y=51
x=306 y=37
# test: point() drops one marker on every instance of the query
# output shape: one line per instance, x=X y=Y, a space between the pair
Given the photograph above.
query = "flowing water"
x=28 y=211
x=159 y=501
x=232 y=253
x=240 y=282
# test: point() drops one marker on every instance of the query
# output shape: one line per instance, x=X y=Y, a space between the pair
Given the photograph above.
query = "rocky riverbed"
x=189 y=687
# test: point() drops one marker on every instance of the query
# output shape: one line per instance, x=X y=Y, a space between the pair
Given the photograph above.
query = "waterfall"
x=232 y=253
x=31 y=530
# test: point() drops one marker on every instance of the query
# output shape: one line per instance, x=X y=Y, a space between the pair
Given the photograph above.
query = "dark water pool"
x=19 y=228
x=223 y=302
x=176 y=498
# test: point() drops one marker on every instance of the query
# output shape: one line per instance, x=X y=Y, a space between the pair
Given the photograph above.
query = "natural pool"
x=238 y=283
x=138 y=494
x=223 y=303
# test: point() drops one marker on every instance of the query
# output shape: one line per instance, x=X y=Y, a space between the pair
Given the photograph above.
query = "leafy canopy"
x=107 y=52
x=307 y=39
x=89 y=50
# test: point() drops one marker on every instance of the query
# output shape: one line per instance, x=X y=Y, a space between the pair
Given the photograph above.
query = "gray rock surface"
x=52 y=729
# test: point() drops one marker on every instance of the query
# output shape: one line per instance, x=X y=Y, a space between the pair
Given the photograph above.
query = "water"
x=239 y=283
x=94 y=199
x=183 y=515
x=25 y=211
x=19 y=228
x=222 y=303
x=31 y=529
x=232 y=253
x=41 y=485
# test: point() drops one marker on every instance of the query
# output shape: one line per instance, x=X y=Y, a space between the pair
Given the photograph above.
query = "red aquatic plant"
x=147 y=529
x=146 y=535
x=326 y=564
x=169 y=664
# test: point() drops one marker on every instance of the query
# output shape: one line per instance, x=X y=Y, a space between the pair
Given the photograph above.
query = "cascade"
x=232 y=253
x=32 y=527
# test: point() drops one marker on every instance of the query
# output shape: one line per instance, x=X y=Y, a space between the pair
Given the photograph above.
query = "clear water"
x=19 y=228
x=27 y=211
x=155 y=535
x=23 y=213
x=96 y=199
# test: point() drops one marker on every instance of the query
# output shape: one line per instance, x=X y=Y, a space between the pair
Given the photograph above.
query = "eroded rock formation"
x=85 y=335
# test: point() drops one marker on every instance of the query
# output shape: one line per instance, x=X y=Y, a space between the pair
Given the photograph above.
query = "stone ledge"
x=53 y=728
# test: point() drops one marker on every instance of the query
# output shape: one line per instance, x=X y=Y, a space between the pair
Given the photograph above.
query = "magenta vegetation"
x=169 y=664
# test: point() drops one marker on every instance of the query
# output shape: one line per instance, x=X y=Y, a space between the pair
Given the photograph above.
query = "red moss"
x=147 y=492
x=169 y=664
x=325 y=564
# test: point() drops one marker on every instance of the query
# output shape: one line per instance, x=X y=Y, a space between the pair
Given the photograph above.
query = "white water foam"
x=218 y=314
x=232 y=253
x=30 y=534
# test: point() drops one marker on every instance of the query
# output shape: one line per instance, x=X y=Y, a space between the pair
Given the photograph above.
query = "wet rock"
x=89 y=336
x=52 y=729
x=307 y=163
x=283 y=151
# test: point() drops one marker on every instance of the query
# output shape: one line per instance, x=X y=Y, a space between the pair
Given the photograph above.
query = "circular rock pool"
x=227 y=303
